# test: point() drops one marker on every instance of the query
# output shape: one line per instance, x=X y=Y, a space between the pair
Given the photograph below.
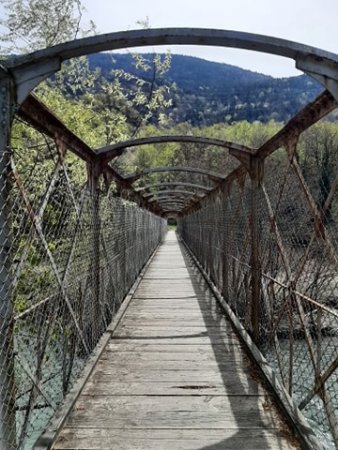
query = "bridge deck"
x=174 y=375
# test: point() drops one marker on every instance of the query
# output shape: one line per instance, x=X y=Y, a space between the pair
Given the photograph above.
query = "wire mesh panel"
x=69 y=256
x=282 y=232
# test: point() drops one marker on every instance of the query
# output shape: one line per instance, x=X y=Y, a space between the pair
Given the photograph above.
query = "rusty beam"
x=173 y=192
x=211 y=175
x=308 y=116
x=112 y=151
x=39 y=116
x=174 y=183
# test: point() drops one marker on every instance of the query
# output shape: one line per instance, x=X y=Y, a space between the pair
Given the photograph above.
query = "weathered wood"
x=94 y=439
x=175 y=412
x=175 y=387
x=146 y=346
x=173 y=375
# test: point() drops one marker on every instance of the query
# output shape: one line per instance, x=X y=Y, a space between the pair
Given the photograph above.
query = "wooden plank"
x=166 y=275
x=165 y=293
x=145 y=439
x=161 y=332
x=173 y=315
x=166 y=317
x=146 y=346
x=174 y=375
x=164 y=353
x=166 y=388
x=174 y=303
x=110 y=366
x=183 y=340
x=194 y=412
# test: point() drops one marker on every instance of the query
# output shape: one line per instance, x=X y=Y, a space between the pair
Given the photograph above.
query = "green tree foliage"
x=207 y=93
x=318 y=159
x=31 y=25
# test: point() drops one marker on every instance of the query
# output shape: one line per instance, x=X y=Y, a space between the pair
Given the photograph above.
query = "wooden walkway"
x=174 y=375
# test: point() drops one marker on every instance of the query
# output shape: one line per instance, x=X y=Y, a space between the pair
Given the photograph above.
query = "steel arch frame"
x=113 y=151
x=216 y=177
x=29 y=70
x=172 y=191
x=174 y=183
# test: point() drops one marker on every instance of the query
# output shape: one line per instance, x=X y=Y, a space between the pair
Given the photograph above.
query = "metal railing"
x=269 y=244
x=69 y=252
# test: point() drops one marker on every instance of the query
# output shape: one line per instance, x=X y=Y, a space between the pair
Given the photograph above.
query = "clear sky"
x=312 y=22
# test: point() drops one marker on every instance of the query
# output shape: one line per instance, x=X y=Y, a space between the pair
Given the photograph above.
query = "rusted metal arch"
x=29 y=70
x=172 y=208
x=112 y=151
x=175 y=213
x=211 y=175
x=169 y=204
x=173 y=183
x=179 y=205
x=286 y=137
x=174 y=192
x=191 y=199
x=172 y=198
x=38 y=115
x=44 y=120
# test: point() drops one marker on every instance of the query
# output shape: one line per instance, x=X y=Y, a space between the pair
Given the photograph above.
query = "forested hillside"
x=205 y=93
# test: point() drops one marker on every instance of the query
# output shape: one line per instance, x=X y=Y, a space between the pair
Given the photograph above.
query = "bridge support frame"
x=256 y=177
x=7 y=376
x=254 y=166
x=94 y=173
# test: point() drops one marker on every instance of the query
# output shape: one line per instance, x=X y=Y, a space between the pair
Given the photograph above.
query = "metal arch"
x=173 y=204
x=178 y=206
x=174 y=183
x=172 y=191
x=31 y=69
x=173 y=212
x=168 y=203
x=166 y=210
x=173 y=196
x=211 y=175
x=172 y=201
x=172 y=208
x=112 y=151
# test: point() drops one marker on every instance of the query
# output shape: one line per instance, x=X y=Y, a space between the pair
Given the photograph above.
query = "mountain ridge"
x=207 y=92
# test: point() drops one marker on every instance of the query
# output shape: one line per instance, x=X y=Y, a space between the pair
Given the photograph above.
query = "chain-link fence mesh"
x=282 y=232
x=68 y=258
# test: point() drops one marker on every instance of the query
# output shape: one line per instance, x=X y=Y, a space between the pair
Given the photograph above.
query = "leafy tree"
x=317 y=157
x=31 y=25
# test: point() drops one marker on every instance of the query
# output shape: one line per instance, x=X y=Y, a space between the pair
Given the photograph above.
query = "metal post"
x=256 y=173
x=225 y=259
x=95 y=266
x=7 y=379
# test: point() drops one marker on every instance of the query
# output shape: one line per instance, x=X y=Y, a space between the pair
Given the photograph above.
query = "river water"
x=303 y=381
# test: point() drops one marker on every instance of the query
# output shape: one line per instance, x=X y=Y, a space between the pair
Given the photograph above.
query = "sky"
x=311 y=22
